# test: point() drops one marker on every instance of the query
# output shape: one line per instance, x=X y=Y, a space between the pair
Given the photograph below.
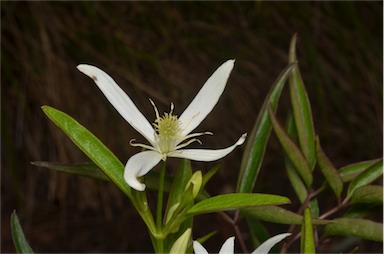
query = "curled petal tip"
x=242 y=139
x=135 y=184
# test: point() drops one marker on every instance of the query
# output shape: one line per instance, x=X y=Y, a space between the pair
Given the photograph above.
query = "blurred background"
x=165 y=51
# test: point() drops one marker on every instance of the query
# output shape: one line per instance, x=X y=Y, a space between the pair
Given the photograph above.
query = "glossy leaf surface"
x=368 y=176
x=84 y=169
x=307 y=239
x=350 y=172
x=292 y=151
x=279 y=215
x=233 y=201
x=301 y=109
x=257 y=140
x=329 y=171
x=91 y=146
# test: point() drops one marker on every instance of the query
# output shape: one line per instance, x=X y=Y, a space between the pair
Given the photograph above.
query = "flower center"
x=168 y=130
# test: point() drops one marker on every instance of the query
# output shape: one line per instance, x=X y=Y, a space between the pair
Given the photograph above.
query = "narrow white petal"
x=139 y=165
x=266 y=246
x=205 y=154
x=206 y=99
x=228 y=247
x=198 y=248
x=120 y=100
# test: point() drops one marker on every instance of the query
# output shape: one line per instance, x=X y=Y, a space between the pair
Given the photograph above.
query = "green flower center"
x=168 y=130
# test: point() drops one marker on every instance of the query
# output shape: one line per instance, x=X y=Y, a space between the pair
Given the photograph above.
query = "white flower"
x=169 y=133
x=229 y=245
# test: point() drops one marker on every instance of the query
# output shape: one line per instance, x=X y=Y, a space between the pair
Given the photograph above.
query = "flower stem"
x=160 y=195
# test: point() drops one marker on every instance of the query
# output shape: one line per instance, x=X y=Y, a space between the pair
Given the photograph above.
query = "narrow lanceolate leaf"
x=368 y=176
x=257 y=140
x=301 y=109
x=349 y=172
x=276 y=214
x=296 y=182
x=91 y=146
x=233 y=201
x=369 y=194
x=307 y=240
x=181 y=179
x=329 y=171
x=291 y=150
x=84 y=169
x=362 y=228
x=21 y=244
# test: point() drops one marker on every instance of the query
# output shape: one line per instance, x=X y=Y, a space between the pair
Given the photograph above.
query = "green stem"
x=159 y=210
x=160 y=195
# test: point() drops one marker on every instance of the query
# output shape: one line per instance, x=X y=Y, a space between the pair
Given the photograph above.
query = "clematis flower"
x=169 y=134
x=229 y=245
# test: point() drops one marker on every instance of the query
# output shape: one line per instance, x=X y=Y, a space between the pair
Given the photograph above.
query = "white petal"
x=198 y=248
x=228 y=247
x=266 y=246
x=120 y=100
x=206 y=99
x=139 y=165
x=205 y=154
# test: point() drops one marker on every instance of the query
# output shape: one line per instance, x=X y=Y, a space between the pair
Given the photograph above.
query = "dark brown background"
x=166 y=51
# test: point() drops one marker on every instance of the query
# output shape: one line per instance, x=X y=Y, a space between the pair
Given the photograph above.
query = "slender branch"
x=340 y=206
x=343 y=204
x=238 y=233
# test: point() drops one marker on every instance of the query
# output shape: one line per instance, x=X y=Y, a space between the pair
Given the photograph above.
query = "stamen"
x=141 y=145
x=188 y=143
x=156 y=111
x=197 y=134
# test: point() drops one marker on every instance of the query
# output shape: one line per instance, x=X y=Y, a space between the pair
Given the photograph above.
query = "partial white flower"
x=169 y=134
x=229 y=245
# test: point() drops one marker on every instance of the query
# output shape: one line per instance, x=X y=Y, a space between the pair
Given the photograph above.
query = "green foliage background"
x=166 y=51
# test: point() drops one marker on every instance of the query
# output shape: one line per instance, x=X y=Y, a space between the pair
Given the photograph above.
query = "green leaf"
x=371 y=194
x=362 y=228
x=363 y=211
x=291 y=150
x=349 y=172
x=203 y=239
x=182 y=177
x=296 y=182
x=257 y=140
x=307 y=239
x=91 y=146
x=368 y=176
x=235 y=201
x=329 y=171
x=301 y=109
x=84 y=169
x=276 y=214
x=21 y=244
x=209 y=175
